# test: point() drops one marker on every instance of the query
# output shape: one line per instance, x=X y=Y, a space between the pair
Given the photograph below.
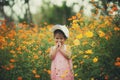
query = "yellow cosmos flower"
x=73 y=57
x=84 y=43
x=75 y=26
x=93 y=44
x=89 y=34
x=79 y=36
x=41 y=35
x=89 y=51
x=95 y=59
x=86 y=56
x=76 y=75
x=101 y=33
x=78 y=15
x=48 y=50
x=81 y=52
x=92 y=79
x=76 y=42
x=75 y=66
x=23 y=47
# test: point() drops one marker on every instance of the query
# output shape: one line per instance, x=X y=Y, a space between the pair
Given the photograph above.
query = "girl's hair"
x=59 y=32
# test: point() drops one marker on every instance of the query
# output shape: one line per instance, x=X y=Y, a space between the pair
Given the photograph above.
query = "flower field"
x=94 y=42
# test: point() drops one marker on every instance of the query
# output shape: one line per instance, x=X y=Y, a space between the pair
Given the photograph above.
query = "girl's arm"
x=66 y=52
x=53 y=51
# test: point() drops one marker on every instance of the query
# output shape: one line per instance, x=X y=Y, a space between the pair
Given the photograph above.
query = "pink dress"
x=61 y=68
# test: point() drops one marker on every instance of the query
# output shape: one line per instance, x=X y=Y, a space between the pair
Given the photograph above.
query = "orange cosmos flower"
x=3 y=27
x=2 y=39
x=114 y=8
x=110 y=12
x=12 y=60
x=101 y=33
x=74 y=17
x=81 y=62
x=11 y=34
x=37 y=76
x=19 y=78
x=117 y=64
x=49 y=72
x=11 y=44
x=84 y=43
x=118 y=59
x=106 y=77
x=11 y=66
x=69 y=19
x=20 y=31
x=7 y=68
x=35 y=56
x=107 y=36
x=34 y=71
x=116 y=28
x=12 y=52
x=40 y=52
x=18 y=48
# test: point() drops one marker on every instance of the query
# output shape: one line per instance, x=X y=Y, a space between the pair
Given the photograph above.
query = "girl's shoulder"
x=52 y=47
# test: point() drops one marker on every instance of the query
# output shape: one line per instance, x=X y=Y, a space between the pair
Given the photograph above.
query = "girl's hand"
x=58 y=45
x=66 y=52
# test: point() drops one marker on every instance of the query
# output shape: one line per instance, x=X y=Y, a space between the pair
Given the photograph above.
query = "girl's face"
x=59 y=38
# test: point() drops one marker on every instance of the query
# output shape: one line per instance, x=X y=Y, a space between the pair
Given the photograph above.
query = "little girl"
x=60 y=54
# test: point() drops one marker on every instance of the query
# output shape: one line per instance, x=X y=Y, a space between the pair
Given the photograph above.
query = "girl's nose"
x=59 y=40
